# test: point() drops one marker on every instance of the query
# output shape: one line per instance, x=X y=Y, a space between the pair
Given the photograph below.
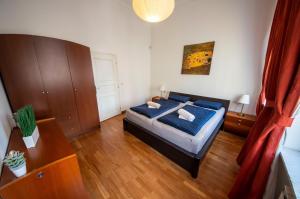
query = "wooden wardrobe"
x=54 y=76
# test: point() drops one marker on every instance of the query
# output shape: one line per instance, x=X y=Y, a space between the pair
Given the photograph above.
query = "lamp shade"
x=153 y=10
x=244 y=99
x=162 y=88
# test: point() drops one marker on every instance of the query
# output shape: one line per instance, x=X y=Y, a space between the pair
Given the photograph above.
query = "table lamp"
x=243 y=99
x=162 y=90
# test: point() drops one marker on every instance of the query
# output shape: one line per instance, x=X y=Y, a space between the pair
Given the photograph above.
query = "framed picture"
x=197 y=58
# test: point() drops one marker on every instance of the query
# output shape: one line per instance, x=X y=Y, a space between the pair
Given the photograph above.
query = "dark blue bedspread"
x=153 y=112
x=202 y=115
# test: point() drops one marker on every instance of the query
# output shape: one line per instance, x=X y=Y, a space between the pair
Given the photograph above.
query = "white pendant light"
x=153 y=10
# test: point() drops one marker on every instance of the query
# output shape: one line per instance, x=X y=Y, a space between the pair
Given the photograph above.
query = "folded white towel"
x=153 y=105
x=181 y=117
x=184 y=114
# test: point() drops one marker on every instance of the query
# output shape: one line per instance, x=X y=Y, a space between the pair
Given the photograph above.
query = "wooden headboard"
x=197 y=97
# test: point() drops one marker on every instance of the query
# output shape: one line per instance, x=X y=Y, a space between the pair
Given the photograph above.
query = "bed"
x=184 y=149
x=147 y=122
x=190 y=143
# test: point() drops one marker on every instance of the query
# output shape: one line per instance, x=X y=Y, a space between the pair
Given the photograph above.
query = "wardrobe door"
x=83 y=82
x=20 y=74
x=53 y=63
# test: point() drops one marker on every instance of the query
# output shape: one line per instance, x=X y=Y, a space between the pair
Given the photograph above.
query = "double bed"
x=185 y=149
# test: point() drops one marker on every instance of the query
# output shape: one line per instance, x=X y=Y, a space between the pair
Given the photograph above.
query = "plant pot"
x=30 y=141
x=20 y=170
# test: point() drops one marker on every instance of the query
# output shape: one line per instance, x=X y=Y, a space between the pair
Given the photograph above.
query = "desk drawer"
x=57 y=180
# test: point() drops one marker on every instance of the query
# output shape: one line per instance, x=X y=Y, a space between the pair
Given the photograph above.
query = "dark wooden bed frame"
x=183 y=158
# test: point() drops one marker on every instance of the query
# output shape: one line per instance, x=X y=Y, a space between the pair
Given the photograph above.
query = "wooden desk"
x=52 y=167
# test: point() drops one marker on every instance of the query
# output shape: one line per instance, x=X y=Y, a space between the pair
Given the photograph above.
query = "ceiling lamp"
x=153 y=10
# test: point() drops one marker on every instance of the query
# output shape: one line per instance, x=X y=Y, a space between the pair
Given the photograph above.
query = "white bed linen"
x=147 y=122
x=184 y=140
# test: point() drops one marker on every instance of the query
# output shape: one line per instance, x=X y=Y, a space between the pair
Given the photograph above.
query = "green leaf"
x=26 y=120
x=14 y=159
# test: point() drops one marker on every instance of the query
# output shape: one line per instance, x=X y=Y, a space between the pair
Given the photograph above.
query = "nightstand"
x=238 y=124
x=155 y=98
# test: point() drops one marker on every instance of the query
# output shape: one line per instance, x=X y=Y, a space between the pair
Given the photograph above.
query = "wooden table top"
x=245 y=116
x=51 y=146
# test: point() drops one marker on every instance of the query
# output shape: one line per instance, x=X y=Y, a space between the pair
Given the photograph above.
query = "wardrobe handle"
x=43 y=92
x=40 y=175
x=47 y=92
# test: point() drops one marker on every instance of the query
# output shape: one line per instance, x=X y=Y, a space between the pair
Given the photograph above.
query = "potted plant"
x=26 y=122
x=16 y=163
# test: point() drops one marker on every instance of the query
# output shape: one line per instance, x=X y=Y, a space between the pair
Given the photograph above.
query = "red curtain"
x=279 y=97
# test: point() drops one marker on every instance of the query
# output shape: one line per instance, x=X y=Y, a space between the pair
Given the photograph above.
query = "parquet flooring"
x=115 y=164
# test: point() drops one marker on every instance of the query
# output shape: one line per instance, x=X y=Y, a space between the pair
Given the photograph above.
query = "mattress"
x=146 y=122
x=184 y=140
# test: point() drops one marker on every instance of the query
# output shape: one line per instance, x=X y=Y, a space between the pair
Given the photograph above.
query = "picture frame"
x=197 y=58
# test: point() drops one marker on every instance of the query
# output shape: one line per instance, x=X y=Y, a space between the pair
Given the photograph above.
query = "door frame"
x=113 y=57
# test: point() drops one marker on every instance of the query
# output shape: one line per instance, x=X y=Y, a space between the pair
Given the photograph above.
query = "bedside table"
x=155 y=98
x=238 y=124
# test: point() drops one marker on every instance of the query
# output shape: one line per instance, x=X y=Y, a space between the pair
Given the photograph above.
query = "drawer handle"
x=240 y=120
x=239 y=124
x=40 y=175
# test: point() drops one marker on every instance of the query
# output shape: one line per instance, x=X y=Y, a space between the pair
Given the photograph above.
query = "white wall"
x=5 y=128
x=239 y=29
x=107 y=26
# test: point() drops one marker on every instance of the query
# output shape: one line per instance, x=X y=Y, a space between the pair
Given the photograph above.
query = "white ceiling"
x=177 y=2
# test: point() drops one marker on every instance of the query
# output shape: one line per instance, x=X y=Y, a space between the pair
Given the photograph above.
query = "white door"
x=106 y=80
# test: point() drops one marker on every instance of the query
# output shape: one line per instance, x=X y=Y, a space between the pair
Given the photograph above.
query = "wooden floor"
x=115 y=164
